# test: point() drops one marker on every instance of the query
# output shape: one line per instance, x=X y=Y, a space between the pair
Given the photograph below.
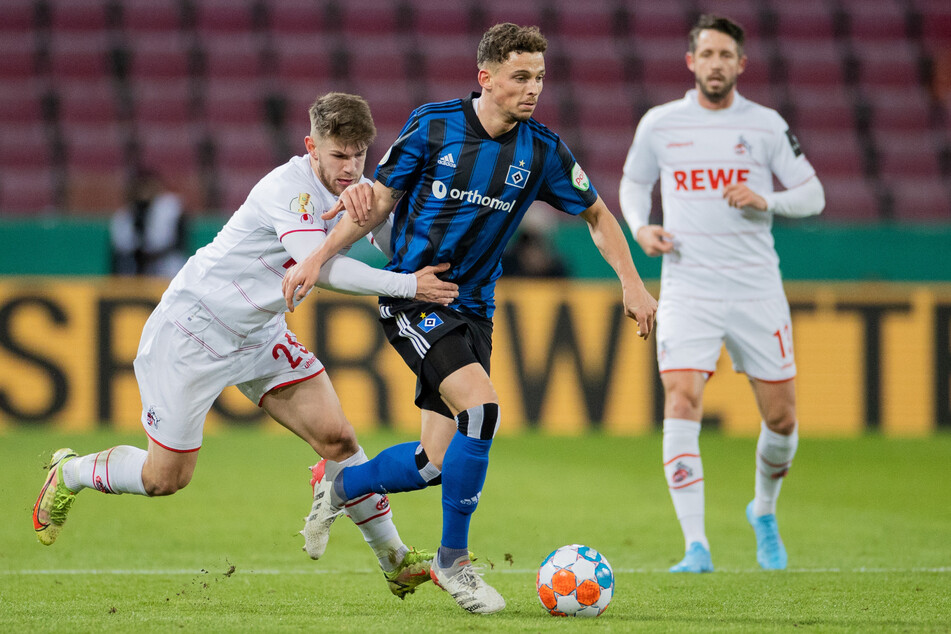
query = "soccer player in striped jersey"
x=461 y=176
x=221 y=322
x=715 y=153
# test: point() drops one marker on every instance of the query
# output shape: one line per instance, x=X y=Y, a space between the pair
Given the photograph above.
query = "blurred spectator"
x=148 y=233
x=531 y=254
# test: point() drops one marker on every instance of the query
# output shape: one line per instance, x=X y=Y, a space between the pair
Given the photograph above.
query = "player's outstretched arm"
x=302 y=277
x=606 y=233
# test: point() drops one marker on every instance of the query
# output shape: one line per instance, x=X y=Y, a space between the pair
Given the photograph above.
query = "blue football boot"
x=770 y=551
x=697 y=559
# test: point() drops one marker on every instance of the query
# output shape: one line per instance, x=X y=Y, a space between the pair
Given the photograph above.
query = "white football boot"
x=322 y=513
x=468 y=588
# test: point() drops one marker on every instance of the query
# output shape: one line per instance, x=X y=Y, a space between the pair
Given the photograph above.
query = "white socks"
x=774 y=454
x=684 y=472
x=116 y=470
x=372 y=515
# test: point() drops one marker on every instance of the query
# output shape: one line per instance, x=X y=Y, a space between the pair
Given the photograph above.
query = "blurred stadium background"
x=213 y=94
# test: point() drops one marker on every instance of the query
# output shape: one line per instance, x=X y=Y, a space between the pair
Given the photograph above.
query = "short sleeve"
x=566 y=186
x=404 y=158
x=294 y=212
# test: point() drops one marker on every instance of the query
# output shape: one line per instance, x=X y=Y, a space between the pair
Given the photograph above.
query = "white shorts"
x=757 y=335
x=182 y=370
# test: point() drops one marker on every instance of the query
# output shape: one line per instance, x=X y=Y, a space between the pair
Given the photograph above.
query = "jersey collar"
x=473 y=120
x=694 y=101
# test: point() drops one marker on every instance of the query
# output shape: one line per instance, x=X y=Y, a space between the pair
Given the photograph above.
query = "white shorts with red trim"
x=183 y=365
x=757 y=335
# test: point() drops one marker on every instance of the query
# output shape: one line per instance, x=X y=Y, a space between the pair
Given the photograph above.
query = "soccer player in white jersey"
x=221 y=322
x=715 y=154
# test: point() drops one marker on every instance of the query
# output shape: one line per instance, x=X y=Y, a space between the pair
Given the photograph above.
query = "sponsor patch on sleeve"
x=794 y=143
x=579 y=179
x=304 y=206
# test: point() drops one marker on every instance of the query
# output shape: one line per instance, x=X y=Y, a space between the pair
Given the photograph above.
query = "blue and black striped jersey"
x=465 y=194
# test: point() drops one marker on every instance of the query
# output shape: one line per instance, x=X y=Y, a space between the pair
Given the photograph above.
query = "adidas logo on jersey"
x=447 y=160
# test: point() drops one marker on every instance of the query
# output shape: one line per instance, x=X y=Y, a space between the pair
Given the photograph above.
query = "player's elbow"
x=815 y=198
x=820 y=199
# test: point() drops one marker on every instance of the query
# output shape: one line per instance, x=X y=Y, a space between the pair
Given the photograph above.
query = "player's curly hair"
x=503 y=39
x=717 y=23
x=343 y=117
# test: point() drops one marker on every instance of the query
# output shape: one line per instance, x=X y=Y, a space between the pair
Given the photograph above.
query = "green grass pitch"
x=867 y=523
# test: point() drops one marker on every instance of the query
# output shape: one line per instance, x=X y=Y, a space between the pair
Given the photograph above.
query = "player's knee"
x=338 y=445
x=783 y=424
x=165 y=484
x=684 y=405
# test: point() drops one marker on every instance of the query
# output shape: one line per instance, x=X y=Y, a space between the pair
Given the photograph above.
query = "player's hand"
x=299 y=279
x=739 y=195
x=654 y=240
x=430 y=288
x=357 y=200
x=641 y=306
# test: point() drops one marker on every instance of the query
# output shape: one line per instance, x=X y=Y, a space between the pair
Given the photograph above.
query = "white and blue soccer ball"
x=575 y=580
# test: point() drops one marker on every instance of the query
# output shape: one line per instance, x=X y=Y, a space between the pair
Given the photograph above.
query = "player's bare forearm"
x=606 y=233
x=607 y=236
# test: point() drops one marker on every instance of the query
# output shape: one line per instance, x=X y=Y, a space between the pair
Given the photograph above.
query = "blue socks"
x=403 y=467
x=464 y=470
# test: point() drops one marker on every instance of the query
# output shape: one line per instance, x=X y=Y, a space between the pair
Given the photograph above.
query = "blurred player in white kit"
x=221 y=322
x=715 y=154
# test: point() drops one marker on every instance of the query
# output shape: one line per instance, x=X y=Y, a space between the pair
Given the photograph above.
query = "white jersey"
x=230 y=290
x=720 y=252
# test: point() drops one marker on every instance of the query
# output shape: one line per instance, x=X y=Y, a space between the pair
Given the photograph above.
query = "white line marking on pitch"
x=94 y=571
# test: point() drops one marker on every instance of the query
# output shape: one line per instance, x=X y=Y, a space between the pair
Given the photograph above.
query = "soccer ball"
x=575 y=581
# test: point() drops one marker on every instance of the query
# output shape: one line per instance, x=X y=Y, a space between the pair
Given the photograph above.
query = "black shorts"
x=435 y=341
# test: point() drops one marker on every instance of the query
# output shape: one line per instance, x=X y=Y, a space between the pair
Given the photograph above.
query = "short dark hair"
x=343 y=117
x=717 y=23
x=503 y=39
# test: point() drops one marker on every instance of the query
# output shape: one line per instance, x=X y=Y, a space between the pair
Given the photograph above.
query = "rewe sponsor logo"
x=704 y=179
x=442 y=192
